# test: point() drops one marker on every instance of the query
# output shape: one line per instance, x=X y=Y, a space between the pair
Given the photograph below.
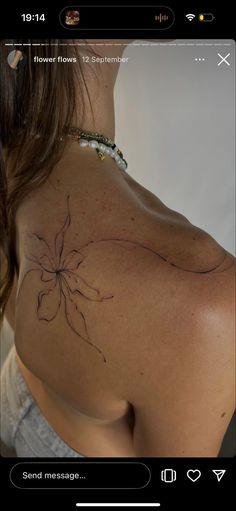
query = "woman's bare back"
x=98 y=255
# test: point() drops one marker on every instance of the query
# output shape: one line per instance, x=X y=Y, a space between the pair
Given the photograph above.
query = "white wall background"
x=175 y=123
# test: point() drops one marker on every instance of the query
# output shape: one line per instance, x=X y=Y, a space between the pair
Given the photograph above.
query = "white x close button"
x=223 y=59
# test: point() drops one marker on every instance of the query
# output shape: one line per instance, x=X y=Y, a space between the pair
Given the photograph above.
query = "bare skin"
x=144 y=365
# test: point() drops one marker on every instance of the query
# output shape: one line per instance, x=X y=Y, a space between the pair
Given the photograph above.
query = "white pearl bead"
x=83 y=142
x=113 y=152
x=102 y=148
x=94 y=144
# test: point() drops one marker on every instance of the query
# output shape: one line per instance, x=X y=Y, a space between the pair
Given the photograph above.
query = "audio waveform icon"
x=161 y=17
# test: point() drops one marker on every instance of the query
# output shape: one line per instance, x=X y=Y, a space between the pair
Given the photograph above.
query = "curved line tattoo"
x=138 y=244
x=87 y=338
x=62 y=283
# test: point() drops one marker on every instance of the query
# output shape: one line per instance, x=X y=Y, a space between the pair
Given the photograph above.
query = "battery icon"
x=168 y=475
x=206 y=16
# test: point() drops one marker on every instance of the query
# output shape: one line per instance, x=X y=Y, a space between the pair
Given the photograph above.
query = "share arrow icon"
x=219 y=474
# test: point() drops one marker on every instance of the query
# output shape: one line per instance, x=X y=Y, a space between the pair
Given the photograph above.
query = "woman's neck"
x=98 y=91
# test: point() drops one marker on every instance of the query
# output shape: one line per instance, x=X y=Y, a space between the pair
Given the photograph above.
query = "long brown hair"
x=37 y=104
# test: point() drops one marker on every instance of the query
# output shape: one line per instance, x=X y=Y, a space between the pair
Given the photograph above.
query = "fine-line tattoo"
x=63 y=284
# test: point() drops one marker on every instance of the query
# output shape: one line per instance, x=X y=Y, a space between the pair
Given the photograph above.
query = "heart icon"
x=194 y=475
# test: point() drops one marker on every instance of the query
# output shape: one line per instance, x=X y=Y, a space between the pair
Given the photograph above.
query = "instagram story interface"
x=117 y=257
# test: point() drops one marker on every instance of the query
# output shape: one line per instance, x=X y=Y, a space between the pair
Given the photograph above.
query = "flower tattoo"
x=63 y=286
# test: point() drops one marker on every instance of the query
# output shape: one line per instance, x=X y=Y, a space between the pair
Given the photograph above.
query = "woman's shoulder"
x=123 y=234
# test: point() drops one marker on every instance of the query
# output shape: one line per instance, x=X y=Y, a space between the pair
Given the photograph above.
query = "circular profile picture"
x=72 y=18
x=16 y=57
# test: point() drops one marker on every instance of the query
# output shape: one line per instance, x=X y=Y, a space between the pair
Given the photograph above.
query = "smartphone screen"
x=117 y=223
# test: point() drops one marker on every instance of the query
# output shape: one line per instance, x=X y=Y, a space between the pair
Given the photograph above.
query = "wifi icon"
x=190 y=17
